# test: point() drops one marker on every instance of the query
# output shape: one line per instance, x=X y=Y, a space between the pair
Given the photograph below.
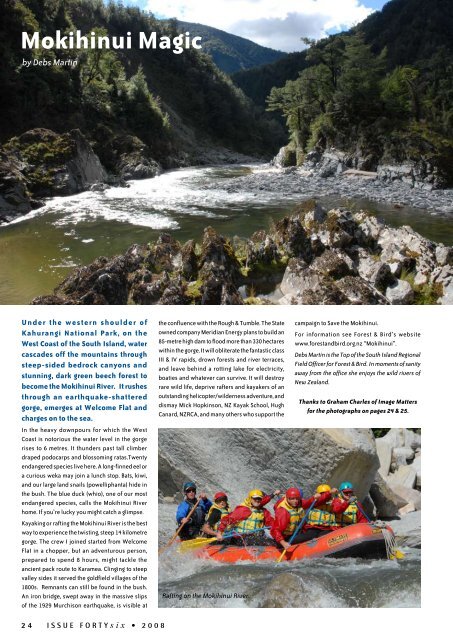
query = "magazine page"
x=226 y=284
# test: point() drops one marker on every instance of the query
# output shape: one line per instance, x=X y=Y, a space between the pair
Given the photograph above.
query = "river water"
x=185 y=581
x=37 y=251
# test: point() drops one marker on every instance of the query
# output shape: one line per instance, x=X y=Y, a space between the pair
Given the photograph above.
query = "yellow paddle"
x=297 y=530
x=188 y=545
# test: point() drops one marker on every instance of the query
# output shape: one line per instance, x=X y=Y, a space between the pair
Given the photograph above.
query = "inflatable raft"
x=357 y=540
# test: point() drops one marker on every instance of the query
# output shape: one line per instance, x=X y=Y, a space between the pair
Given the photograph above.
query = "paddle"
x=297 y=530
x=178 y=530
x=188 y=545
x=395 y=553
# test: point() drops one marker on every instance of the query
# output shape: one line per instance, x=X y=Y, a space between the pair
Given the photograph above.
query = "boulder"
x=188 y=260
x=368 y=229
x=326 y=293
x=303 y=285
x=402 y=438
x=447 y=297
x=387 y=502
x=217 y=252
x=408 y=530
x=405 y=476
x=175 y=293
x=298 y=277
x=290 y=590
x=332 y=163
x=317 y=216
x=411 y=496
x=261 y=250
x=133 y=168
x=163 y=255
x=56 y=164
x=286 y=157
x=401 y=455
x=400 y=292
x=416 y=465
x=442 y=275
x=150 y=292
x=14 y=196
x=377 y=273
x=444 y=255
x=290 y=235
x=419 y=173
x=357 y=291
x=331 y=264
x=384 y=452
x=408 y=508
x=281 y=458
x=217 y=286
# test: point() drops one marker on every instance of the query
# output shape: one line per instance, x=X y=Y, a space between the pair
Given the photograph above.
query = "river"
x=38 y=250
x=185 y=581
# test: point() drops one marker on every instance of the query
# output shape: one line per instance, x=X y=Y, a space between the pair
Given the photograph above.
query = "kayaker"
x=250 y=517
x=192 y=526
x=322 y=518
x=346 y=507
x=220 y=509
x=288 y=514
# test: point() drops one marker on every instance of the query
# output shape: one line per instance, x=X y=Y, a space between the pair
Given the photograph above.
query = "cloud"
x=282 y=33
x=273 y=23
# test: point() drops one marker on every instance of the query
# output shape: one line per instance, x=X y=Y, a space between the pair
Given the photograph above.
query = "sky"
x=278 y=24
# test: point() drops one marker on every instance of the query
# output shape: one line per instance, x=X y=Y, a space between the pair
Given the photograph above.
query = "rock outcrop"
x=41 y=163
x=281 y=458
x=314 y=257
x=421 y=173
x=397 y=487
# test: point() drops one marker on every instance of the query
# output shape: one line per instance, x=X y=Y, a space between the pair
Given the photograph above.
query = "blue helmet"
x=346 y=485
x=301 y=493
x=189 y=485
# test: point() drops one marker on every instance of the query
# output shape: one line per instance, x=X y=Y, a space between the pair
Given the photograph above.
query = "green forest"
x=382 y=91
x=122 y=100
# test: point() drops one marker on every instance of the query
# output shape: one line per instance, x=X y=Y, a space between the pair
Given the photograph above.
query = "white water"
x=158 y=202
x=186 y=581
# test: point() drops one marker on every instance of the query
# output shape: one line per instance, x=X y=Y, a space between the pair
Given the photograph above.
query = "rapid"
x=186 y=581
x=37 y=251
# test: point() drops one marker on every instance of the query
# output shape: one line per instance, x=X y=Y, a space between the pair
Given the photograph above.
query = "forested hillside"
x=122 y=100
x=231 y=53
x=382 y=91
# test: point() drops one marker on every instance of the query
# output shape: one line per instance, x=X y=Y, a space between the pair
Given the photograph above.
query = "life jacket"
x=347 y=517
x=252 y=523
x=295 y=516
x=322 y=516
x=192 y=528
x=223 y=512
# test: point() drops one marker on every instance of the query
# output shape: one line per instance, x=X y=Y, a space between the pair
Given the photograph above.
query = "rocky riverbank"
x=311 y=257
x=313 y=182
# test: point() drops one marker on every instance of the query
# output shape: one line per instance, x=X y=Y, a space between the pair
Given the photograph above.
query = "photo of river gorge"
x=39 y=250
